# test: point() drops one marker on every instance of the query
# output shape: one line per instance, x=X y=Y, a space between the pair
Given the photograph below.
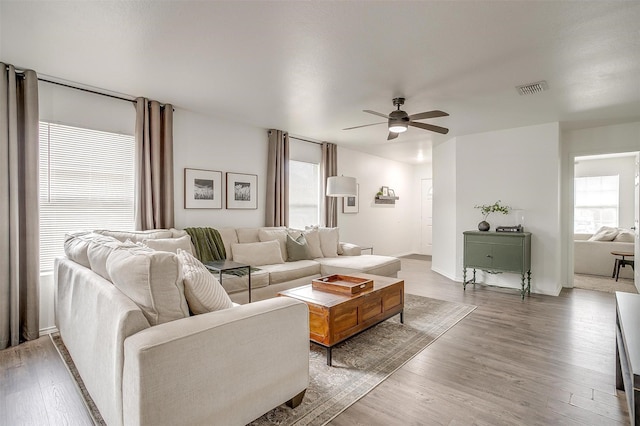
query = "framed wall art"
x=202 y=189
x=242 y=191
x=350 y=204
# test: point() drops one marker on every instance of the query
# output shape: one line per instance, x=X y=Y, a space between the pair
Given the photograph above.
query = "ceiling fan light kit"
x=398 y=121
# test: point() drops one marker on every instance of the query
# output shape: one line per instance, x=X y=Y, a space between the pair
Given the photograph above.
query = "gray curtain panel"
x=154 y=165
x=19 y=209
x=329 y=167
x=277 y=203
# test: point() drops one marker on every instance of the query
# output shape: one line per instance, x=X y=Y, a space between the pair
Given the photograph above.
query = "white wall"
x=388 y=228
x=624 y=167
x=420 y=171
x=209 y=143
x=445 y=208
x=592 y=141
x=521 y=168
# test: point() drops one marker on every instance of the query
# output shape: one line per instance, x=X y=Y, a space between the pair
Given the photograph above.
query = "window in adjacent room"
x=596 y=203
x=86 y=183
x=304 y=194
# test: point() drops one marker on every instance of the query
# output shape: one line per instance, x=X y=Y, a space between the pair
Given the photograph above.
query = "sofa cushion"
x=170 y=244
x=229 y=237
x=625 y=236
x=76 y=245
x=369 y=264
x=251 y=235
x=201 y=289
x=605 y=233
x=279 y=235
x=291 y=270
x=257 y=254
x=99 y=251
x=297 y=249
x=312 y=236
x=152 y=279
x=236 y=283
x=136 y=236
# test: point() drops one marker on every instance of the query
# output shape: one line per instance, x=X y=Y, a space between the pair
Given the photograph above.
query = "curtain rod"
x=305 y=140
x=86 y=90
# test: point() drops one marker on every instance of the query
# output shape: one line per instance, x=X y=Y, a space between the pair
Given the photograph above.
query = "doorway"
x=605 y=217
x=426 y=216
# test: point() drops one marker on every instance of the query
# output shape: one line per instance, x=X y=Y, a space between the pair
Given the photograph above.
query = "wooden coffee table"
x=335 y=317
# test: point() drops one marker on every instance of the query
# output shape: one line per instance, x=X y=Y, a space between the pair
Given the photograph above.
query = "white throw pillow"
x=201 y=289
x=605 y=233
x=170 y=244
x=257 y=254
x=313 y=243
x=279 y=235
x=329 y=239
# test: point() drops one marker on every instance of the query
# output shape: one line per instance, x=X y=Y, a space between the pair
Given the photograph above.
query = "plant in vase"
x=487 y=209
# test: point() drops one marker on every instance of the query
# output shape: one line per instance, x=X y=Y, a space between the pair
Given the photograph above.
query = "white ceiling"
x=312 y=67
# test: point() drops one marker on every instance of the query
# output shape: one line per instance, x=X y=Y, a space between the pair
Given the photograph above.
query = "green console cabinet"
x=496 y=252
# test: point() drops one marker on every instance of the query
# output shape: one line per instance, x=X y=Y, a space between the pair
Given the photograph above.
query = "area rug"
x=359 y=364
x=598 y=283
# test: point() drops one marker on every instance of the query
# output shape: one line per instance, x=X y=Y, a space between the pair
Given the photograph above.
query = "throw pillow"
x=279 y=235
x=170 y=244
x=624 y=236
x=313 y=242
x=329 y=239
x=297 y=249
x=605 y=233
x=201 y=289
x=257 y=254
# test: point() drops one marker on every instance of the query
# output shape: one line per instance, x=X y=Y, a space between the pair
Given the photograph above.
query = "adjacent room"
x=308 y=212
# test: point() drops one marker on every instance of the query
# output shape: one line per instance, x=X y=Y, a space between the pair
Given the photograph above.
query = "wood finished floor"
x=545 y=361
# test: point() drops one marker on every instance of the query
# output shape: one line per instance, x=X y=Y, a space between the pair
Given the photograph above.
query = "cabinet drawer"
x=505 y=240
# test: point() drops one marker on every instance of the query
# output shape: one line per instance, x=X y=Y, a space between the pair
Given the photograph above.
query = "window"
x=86 y=182
x=304 y=194
x=596 y=203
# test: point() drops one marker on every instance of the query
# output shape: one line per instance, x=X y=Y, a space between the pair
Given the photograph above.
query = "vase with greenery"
x=487 y=209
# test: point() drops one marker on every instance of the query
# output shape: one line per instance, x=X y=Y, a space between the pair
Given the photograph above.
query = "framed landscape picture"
x=350 y=204
x=202 y=189
x=242 y=191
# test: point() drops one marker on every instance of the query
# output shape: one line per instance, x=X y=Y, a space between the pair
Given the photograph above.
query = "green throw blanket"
x=209 y=247
x=208 y=244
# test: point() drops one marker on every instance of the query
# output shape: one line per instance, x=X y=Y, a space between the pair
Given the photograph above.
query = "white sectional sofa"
x=122 y=314
x=595 y=258
x=331 y=257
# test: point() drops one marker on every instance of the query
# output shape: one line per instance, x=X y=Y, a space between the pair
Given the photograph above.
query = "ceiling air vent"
x=532 y=88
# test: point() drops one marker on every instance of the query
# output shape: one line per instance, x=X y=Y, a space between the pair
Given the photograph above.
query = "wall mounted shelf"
x=383 y=199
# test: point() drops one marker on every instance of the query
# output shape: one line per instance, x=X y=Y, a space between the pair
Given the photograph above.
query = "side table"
x=221 y=266
x=621 y=263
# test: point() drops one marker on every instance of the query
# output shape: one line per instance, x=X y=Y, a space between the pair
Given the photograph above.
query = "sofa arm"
x=227 y=367
x=349 y=249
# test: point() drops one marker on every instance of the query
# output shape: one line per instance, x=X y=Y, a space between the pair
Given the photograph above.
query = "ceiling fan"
x=399 y=120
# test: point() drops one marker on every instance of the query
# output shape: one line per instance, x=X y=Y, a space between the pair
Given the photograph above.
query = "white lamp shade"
x=341 y=186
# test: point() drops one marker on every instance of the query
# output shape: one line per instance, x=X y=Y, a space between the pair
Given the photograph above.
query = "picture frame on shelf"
x=350 y=205
x=242 y=191
x=392 y=193
x=385 y=191
x=202 y=189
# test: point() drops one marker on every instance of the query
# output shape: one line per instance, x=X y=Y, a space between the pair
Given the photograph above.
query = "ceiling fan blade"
x=376 y=113
x=430 y=127
x=364 y=125
x=428 y=114
x=392 y=135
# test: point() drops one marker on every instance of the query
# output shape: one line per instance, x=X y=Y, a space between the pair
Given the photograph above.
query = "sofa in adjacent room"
x=124 y=312
x=592 y=252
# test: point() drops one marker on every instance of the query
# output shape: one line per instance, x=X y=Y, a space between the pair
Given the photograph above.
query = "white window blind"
x=596 y=203
x=86 y=182
x=304 y=194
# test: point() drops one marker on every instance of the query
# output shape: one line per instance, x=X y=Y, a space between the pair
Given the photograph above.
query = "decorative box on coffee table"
x=337 y=315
